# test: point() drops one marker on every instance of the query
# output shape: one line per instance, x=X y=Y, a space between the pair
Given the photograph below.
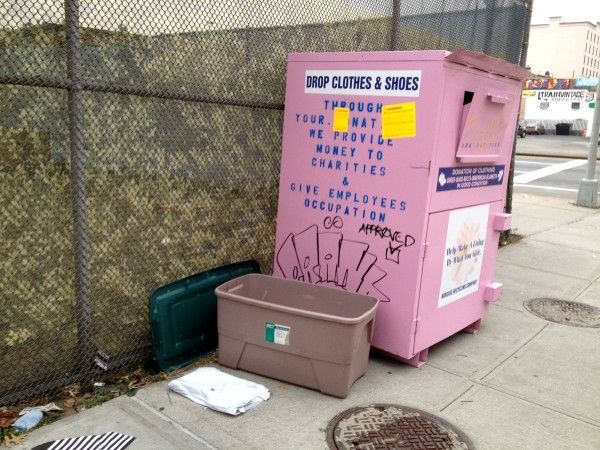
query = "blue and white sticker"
x=456 y=178
x=391 y=83
x=277 y=334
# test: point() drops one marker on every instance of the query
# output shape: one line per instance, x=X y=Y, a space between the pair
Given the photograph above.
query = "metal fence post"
x=474 y=26
x=588 y=188
x=84 y=350
x=441 y=24
x=490 y=16
x=511 y=172
x=395 y=20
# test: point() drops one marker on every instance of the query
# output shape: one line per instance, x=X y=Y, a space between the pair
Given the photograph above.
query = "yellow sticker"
x=341 y=117
x=399 y=121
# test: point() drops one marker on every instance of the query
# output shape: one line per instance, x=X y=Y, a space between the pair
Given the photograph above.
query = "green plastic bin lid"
x=183 y=315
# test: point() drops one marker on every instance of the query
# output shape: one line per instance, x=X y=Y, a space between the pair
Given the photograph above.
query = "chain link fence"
x=140 y=143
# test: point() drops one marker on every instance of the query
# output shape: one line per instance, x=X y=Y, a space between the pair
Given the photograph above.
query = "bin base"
x=423 y=356
x=416 y=361
x=473 y=328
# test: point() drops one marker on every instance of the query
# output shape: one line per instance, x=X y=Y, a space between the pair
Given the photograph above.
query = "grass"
x=73 y=400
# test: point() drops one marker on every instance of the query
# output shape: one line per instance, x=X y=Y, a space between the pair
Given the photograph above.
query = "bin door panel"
x=484 y=120
x=458 y=265
x=474 y=145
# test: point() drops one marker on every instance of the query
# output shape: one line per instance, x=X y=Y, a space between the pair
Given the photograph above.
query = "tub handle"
x=235 y=288
x=371 y=329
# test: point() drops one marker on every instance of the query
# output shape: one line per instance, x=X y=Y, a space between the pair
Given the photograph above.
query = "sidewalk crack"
x=174 y=423
x=490 y=371
x=508 y=392
x=459 y=396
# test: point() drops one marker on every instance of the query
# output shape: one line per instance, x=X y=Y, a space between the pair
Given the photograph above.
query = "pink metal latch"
x=493 y=292
x=502 y=222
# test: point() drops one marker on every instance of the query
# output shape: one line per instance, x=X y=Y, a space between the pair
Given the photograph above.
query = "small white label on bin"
x=277 y=334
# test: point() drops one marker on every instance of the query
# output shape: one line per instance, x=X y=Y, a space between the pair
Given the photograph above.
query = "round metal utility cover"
x=565 y=312
x=385 y=426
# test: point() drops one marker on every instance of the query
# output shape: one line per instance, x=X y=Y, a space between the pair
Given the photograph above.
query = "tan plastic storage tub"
x=301 y=333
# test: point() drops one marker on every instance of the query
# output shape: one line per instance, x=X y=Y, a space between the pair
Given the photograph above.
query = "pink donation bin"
x=393 y=179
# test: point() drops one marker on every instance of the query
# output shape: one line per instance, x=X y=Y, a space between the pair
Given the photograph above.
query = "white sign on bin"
x=396 y=83
x=465 y=242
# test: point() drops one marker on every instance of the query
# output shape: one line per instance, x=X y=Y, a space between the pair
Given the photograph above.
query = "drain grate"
x=564 y=312
x=376 y=427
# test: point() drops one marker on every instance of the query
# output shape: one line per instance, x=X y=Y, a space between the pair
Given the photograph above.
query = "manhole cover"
x=564 y=311
x=392 y=427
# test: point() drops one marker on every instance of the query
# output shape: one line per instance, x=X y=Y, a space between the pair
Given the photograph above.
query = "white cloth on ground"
x=220 y=391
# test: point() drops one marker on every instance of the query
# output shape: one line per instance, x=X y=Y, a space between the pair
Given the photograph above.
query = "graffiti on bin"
x=397 y=239
x=326 y=257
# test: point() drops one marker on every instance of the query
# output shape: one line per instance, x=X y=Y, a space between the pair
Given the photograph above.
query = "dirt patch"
x=509 y=238
x=75 y=398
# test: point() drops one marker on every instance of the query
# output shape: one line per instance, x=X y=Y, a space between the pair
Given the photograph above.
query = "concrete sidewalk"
x=521 y=383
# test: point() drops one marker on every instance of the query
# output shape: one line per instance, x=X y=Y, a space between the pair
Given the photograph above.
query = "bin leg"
x=473 y=328
x=418 y=360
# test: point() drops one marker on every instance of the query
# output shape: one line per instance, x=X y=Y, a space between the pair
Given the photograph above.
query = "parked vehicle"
x=521 y=132
x=535 y=128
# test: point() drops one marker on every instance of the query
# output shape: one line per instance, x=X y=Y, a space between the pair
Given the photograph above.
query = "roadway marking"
x=549 y=170
x=548 y=188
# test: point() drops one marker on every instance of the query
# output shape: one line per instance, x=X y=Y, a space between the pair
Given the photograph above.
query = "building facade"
x=564 y=49
x=548 y=107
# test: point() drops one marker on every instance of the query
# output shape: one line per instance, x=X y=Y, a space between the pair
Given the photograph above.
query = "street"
x=549 y=175
x=555 y=177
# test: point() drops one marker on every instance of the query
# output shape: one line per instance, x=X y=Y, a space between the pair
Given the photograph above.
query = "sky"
x=571 y=10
